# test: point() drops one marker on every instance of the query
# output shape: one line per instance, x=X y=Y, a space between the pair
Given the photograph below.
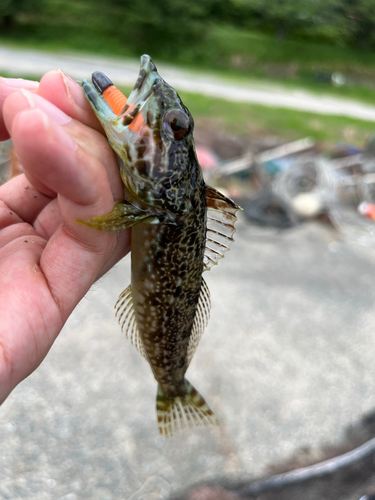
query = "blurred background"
x=283 y=97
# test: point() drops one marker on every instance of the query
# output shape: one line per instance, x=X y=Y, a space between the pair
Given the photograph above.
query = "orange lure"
x=117 y=100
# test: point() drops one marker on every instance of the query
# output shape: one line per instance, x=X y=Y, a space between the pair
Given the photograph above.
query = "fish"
x=180 y=227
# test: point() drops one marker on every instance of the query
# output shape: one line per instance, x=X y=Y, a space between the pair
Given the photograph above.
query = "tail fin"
x=179 y=413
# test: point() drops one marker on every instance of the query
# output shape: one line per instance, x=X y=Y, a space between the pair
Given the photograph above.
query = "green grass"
x=225 y=47
x=233 y=54
x=255 y=120
x=238 y=55
x=258 y=48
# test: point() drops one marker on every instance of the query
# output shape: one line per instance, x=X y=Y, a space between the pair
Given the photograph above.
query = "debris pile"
x=286 y=184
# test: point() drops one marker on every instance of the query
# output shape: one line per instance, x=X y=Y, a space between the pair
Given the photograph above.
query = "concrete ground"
x=287 y=361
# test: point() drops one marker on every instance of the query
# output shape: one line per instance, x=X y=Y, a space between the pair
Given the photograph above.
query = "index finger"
x=7 y=87
x=75 y=254
x=66 y=94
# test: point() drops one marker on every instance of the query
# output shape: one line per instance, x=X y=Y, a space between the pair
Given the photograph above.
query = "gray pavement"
x=124 y=71
x=287 y=361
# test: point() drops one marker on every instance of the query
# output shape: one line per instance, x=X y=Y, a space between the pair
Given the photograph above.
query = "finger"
x=49 y=219
x=65 y=93
x=12 y=225
x=76 y=254
x=29 y=318
x=122 y=248
x=56 y=162
x=94 y=143
x=14 y=232
x=7 y=87
x=23 y=199
x=14 y=106
x=7 y=216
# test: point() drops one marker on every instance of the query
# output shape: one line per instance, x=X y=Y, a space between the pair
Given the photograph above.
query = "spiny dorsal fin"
x=221 y=216
x=200 y=321
x=182 y=412
x=126 y=318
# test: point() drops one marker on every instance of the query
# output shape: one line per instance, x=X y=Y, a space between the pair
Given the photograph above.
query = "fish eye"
x=176 y=124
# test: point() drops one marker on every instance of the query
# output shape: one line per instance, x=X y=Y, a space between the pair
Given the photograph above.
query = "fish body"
x=167 y=205
x=166 y=283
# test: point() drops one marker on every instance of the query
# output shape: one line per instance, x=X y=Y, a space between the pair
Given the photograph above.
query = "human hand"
x=47 y=260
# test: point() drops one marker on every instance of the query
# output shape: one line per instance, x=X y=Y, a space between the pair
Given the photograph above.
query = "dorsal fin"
x=200 y=321
x=126 y=318
x=221 y=217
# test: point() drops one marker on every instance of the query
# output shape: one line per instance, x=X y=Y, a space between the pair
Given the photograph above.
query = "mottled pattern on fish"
x=180 y=227
x=166 y=283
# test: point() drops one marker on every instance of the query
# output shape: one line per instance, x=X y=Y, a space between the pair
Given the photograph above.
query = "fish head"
x=153 y=139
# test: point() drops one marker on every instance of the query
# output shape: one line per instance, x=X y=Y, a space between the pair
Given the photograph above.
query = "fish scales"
x=180 y=227
x=167 y=275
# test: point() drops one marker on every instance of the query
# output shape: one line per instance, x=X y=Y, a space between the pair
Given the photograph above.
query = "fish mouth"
x=122 y=126
x=147 y=76
x=140 y=94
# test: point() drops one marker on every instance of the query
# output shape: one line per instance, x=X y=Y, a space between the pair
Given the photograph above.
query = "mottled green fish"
x=180 y=228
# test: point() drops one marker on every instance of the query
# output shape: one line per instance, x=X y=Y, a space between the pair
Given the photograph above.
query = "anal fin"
x=126 y=318
x=200 y=320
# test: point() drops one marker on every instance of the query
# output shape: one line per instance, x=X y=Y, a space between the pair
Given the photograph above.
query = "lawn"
x=227 y=51
x=254 y=120
x=249 y=119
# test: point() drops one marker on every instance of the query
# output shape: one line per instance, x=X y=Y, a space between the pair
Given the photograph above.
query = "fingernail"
x=20 y=83
x=74 y=91
x=49 y=109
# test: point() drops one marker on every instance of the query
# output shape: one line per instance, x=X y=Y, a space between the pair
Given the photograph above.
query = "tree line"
x=168 y=25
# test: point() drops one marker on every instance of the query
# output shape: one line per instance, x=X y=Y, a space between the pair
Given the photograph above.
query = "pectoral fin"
x=221 y=217
x=123 y=215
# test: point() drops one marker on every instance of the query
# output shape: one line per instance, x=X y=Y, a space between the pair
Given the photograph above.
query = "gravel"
x=286 y=362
